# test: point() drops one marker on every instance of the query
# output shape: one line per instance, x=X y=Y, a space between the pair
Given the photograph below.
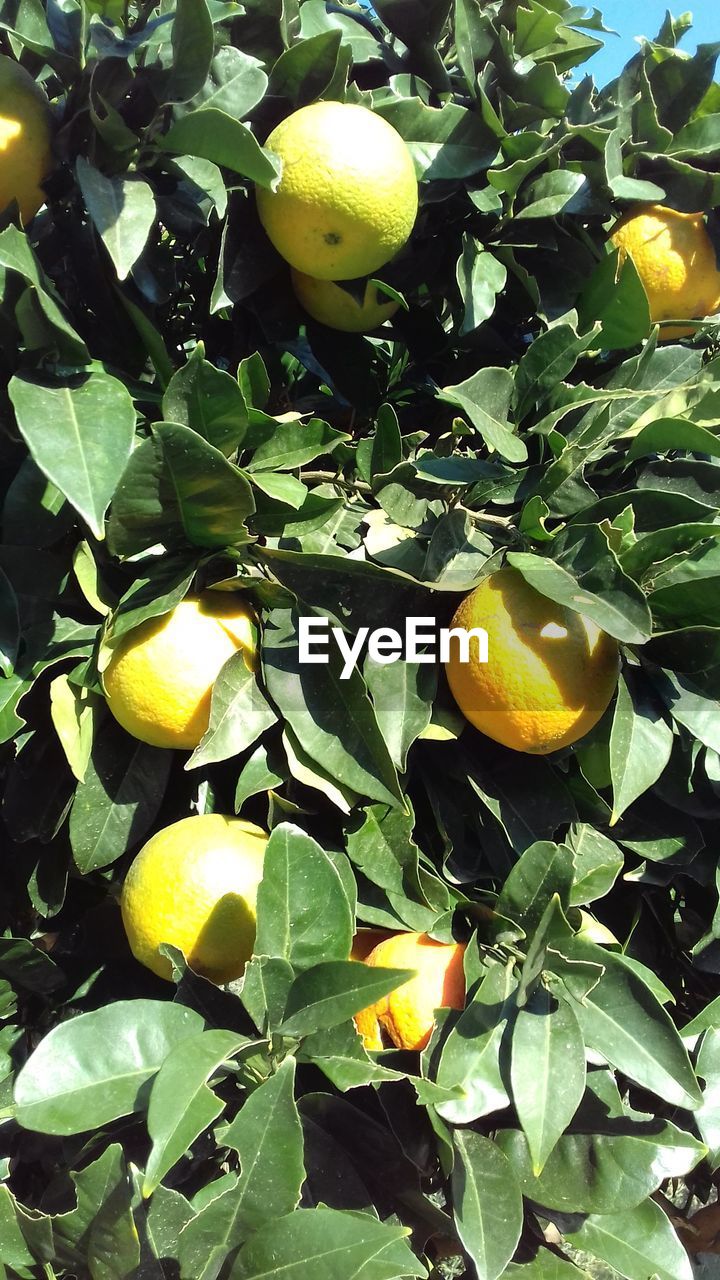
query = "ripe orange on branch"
x=676 y=261
x=550 y=672
x=25 y=136
x=407 y=1014
x=333 y=306
x=159 y=680
x=347 y=197
x=194 y=885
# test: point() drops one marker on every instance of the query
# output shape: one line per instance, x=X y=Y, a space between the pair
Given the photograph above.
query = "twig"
x=328 y=477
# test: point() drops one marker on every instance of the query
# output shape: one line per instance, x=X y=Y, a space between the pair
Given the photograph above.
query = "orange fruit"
x=25 y=137
x=194 y=885
x=159 y=680
x=407 y=1014
x=676 y=261
x=333 y=306
x=348 y=195
x=550 y=672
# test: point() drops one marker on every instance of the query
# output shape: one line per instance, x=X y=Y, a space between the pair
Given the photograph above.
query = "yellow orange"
x=194 y=885
x=551 y=672
x=159 y=680
x=407 y=1014
x=25 y=137
x=333 y=306
x=675 y=259
x=347 y=197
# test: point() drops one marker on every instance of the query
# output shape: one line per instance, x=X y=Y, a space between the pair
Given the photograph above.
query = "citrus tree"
x=201 y=447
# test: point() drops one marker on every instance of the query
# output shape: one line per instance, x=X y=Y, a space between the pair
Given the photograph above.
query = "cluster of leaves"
x=171 y=422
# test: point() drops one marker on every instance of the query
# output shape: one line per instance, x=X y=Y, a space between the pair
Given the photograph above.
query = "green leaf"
x=327 y=1243
x=177 y=489
x=27 y=967
x=304 y=914
x=560 y=192
x=707 y=1117
x=488 y=1203
x=207 y=400
x=239 y=714
x=402 y=694
x=332 y=717
x=640 y=743
x=547 y=361
x=622 y=1019
x=339 y=1053
x=622 y=186
x=665 y=435
x=382 y=848
x=214 y=135
x=386 y=452
x=547 y=1072
x=689 y=706
x=637 y=1244
x=480 y=279
x=470 y=1058
x=598 y=863
x=450 y=143
x=303 y=72
x=100 y=1232
x=181 y=1105
x=614 y=296
x=545 y=869
x=267 y=1135
x=115 y=804
x=90 y=1070
x=268 y=1138
x=486 y=397
x=266 y=982
x=17 y=256
x=259 y=773
x=529 y=805
x=603 y=1172
x=59 y=424
x=620 y=611
x=193 y=41
x=165 y=1216
x=292 y=444
x=331 y=992
x=236 y=84
x=122 y=211
x=354 y=593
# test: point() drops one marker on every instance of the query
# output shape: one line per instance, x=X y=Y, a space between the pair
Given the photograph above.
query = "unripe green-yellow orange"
x=25 y=139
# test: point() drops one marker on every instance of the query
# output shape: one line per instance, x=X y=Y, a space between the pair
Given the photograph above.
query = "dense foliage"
x=171 y=421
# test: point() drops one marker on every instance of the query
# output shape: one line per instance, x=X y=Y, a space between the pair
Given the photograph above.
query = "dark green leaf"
x=181 y=1104
x=547 y=1072
x=332 y=992
x=123 y=212
x=60 y=426
x=92 y=1069
x=622 y=1019
x=488 y=1204
x=208 y=400
x=640 y=743
x=327 y=1243
x=239 y=714
x=638 y=1243
x=304 y=914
